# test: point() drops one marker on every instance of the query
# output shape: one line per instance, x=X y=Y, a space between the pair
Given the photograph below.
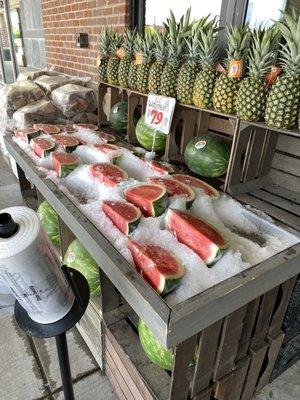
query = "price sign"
x=159 y=112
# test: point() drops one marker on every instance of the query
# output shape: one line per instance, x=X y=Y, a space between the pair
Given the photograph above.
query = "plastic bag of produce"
x=30 y=74
x=85 y=118
x=17 y=95
x=41 y=111
x=73 y=99
x=50 y=83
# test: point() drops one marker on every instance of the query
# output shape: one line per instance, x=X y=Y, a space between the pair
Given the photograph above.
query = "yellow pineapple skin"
x=185 y=84
x=225 y=93
x=204 y=88
x=112 y=70
x=169 y=81
x=155 y=74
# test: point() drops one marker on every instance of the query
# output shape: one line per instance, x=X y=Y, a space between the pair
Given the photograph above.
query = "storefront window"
x=157 y=11
x=264 y=12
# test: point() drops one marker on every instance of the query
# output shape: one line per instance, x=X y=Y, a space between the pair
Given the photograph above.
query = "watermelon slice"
x=176 y=188
x=68 y=143
x=66 y=128
x=108 y=148
x=106 y=137
x=42 y=147
x=161 y=269
x=49 y=129
x=162 y=168
x=27 y=134
x=91 y=127
x=108 y=174
x=197 y=234
x=198 y=184
x=124 y=215
x=152 y=199
x=63 y=163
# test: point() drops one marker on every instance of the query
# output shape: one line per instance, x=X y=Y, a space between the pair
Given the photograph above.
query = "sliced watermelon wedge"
x=49 y=129
x=152 y=199
x=27 y=134
x=63 y=163
x=197 y=234
x=106 y=137
x=176 y=188
x=42 y=147
x=108 y=148
x=91 y=127
x=161 y=269
x=108 y=174
x=124 y=215
x=66 y=128
x=198 y=184
x=162 y=168
x=69 y=143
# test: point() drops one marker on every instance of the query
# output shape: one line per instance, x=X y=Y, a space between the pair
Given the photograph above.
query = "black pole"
x=64 y=365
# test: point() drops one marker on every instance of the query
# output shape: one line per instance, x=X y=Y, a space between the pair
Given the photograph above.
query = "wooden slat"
x=188 y=128
x=285 y=180
x=204 y=395
x=66 y=236
x=280 y=191
x=133 y=101
x=221 y=125
x=115 y=383
x=172 y=152
x=253 y=155
x=109 y=297
x=268 y=152
x=205 y=357
x=102 y=117
x=285 y=163
x=275 y=212
x=277 y=201
x=290 y=145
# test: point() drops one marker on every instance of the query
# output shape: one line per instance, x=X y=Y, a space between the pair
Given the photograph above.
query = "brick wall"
x=62 y=19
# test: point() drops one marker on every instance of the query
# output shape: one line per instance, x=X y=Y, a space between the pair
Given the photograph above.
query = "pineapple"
x=176 y=48
x=104 y=46
x=146 y=51
x=125 y=62
x=158 y=65
x=133 y=69
x=189 y=70
x=226 y=88
x=284 y=97
x=114 y=60
x=252 y=95
x=206 y=78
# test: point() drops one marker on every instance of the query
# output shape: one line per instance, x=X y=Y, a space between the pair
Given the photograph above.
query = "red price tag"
x=157 y=117
x=159 y=112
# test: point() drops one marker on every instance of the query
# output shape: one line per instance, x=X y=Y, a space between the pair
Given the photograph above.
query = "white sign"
x=159 y=112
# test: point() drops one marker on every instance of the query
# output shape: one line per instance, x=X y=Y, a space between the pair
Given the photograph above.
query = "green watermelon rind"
x=78 y=258
x=66 y=169
x=145 y=134
x=156 y=353
x=131 y=225
x=49 y=219
x=119 y=119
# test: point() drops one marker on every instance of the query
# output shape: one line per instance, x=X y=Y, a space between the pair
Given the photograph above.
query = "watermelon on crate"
x=176 y=188
x=42 y=147
x=155 y=351
x=108 y=174
x=63 y=163
x=49 y=220
x=118 y=116
x=207 y=155
x=125 y=216
x=197 y=184
x=91 y=127
x=67 y=142
x=49 y=129
x=78 y=258
x=152 y=199
x=106 y=137
x=66 y=128
x=197 y=234
x=148 y=137
x=161 y=269
x=27 y=134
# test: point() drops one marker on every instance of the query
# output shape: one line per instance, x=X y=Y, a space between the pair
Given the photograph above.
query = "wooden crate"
x=288 y=355
x=291 y=322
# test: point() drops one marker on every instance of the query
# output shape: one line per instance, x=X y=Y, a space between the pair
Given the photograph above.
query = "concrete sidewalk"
x=29 y=367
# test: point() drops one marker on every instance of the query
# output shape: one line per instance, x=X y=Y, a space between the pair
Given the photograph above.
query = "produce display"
x=151 y=199
x=63 y=163
x=257 y=80
x=78 y=258
x=49 y=220
x=176 y=188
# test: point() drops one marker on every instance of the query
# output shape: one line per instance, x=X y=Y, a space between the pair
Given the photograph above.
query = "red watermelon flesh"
x=108 y=174
x=49 y=129
x=91 y=127
x=161 y=269
x=197 y=234
x=66 y=128
x=156 y=166
x=69 y=143
x=197 y=183
x=108 y=148
x=125 y=216
x=106 y=137
x=42 y=147
x=152 y=199
x=176 y=188
x=27 y=133
x=63 y=163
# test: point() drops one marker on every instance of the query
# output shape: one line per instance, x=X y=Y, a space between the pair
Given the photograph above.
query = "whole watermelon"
x=207 y=155
x=78 y=258
x=118 y=116
x=49 y=220
x=154 y=350
x=148 y=137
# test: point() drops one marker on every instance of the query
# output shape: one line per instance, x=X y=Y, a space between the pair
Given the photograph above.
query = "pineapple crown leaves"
x=262 y=52
x=208 y=48
x=147 y=47
x=160 y=50
x=191 y=51
x=129 y=41
x=116 y=42
x=238 y=42
x=206 y=23
x=105 y=42
x=289 y=27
